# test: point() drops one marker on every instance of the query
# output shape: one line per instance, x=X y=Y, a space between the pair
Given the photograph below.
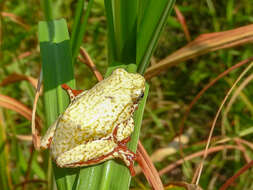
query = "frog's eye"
x=140 y=96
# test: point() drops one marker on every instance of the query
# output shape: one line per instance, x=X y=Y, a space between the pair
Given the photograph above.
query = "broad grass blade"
x=57 y=69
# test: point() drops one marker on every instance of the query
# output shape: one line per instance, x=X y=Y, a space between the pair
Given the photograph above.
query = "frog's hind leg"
x=95 y=152
x=90 y=153
x=72 y=93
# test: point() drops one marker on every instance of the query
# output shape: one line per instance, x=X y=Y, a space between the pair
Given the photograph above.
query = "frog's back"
x=96 y=112
x=93 y=115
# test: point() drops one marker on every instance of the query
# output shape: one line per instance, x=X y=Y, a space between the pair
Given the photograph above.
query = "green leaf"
x=57 y=69
x=122 y=28
x=152 y=16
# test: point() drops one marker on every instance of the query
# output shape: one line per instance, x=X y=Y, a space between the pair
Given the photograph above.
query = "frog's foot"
x=122 y=151
x=127 y=156
x=72 y=93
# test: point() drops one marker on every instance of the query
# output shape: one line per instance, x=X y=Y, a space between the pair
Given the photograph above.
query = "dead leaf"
x=13 y=104
x=19 y=77
x=186 y=185
x=148 y=168
x=16 y=19
x=201 y=45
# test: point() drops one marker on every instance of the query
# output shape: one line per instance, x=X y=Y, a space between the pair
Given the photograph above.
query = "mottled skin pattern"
x=98 y=123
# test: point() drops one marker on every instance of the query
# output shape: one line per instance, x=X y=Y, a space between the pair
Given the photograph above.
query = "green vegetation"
x=120 y=33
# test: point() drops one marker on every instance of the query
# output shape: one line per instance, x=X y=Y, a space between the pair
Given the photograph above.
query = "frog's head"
x=133 y=81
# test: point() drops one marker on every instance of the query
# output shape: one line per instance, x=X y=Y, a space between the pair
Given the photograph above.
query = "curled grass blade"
x=148 y=168
x=199 y=171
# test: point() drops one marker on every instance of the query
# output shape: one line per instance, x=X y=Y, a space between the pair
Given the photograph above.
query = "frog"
x=97 y=124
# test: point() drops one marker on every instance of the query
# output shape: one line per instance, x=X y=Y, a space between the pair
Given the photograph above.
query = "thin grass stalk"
x=47 y=8
x=79 y=27
x=5 y=180
x=111 y=33
x=231 y=180
x=152 y=18
x=77 y=22
x=122 y=28
x=200 y=168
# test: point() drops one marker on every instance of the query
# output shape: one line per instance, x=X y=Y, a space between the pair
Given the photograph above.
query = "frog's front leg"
x=123 y=131
x=47 y=139
x=72 y=93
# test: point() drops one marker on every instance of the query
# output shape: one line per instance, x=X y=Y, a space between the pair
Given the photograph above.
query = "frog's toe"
x=72 y=93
